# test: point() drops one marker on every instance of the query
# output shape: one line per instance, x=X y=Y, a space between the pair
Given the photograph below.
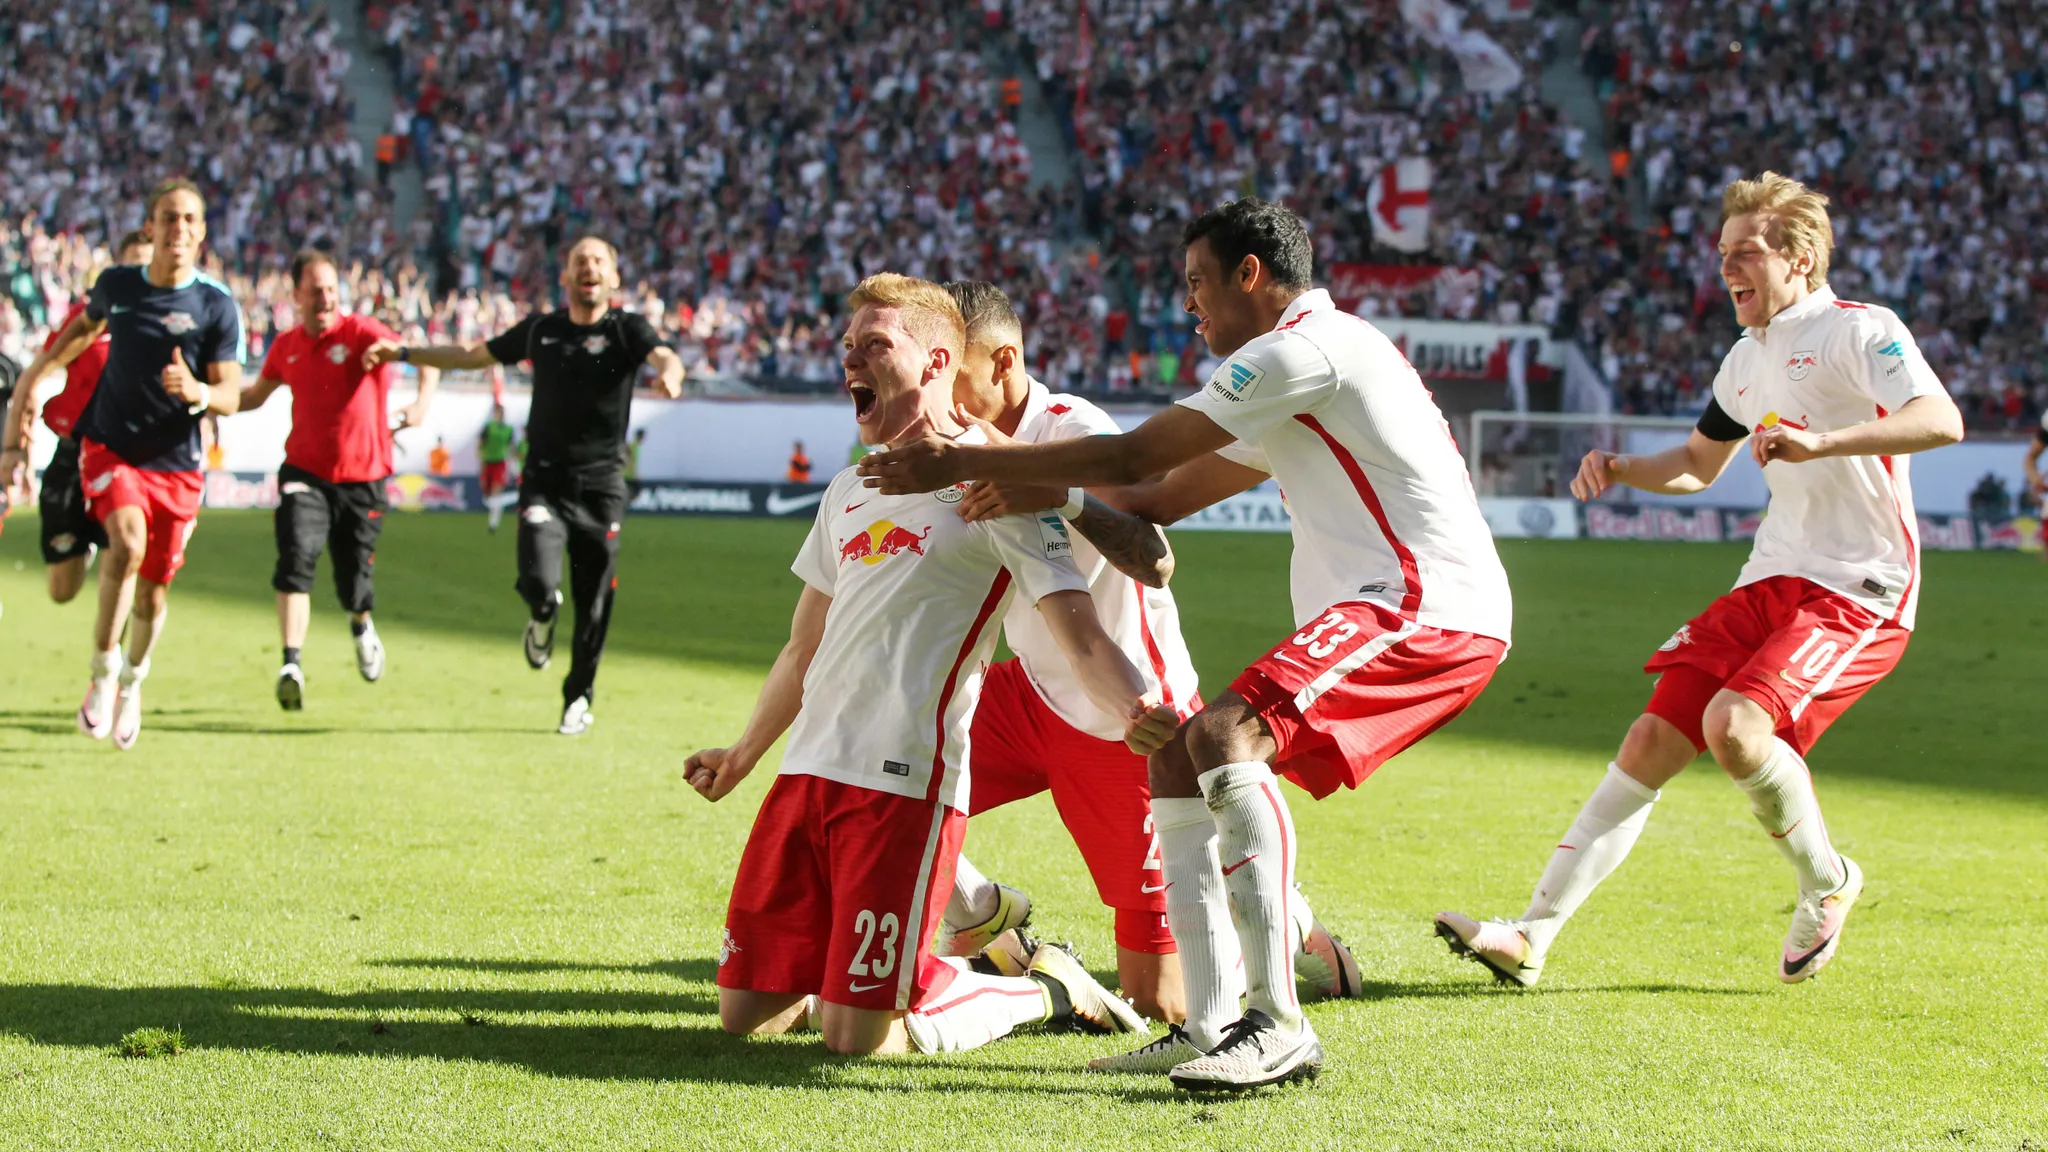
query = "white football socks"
x=1595 y=845
x=1255 y=842
x=974 y=897
x=975 y=1009
x=108 y=663
x=1781 y=795
x=1198 y=911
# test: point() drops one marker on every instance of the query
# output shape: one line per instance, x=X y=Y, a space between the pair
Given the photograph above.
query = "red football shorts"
x=1358 y=685
x=1803 y=653
x=1103 y=792
x=838 y=893
x=170 y=500
x=492 y=476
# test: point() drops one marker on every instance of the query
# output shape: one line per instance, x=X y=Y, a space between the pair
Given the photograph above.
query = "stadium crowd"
x=836 y=137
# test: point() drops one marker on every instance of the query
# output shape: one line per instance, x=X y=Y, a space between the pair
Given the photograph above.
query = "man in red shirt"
x=331 y=487
x=70 y=535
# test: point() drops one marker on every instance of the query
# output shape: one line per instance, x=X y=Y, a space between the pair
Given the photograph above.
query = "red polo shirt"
x=341 y=427
x=81 y=376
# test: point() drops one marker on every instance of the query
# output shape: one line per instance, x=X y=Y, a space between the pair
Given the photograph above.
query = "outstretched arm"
x=1112 y=682
x=446 y=357
x=255 y=394
x=1681 y=471
x=714 y=772
x=669 y=368
x=1186 y=490
x=1168 y=439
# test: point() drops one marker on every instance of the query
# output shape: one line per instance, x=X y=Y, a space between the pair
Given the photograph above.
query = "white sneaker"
x=96 y=711
x=1094 y=1006
x=1013 y=910
x=370 y=654
x=1501 y=945
x=540 y=636
x=291 y=688
x=1328 y=965
x=1160 y=1056
x=577 y=718
x=1255 y=1052
x=1817 y=927
x=128 y=715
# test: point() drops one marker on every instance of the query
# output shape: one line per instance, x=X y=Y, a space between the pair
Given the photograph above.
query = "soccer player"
x=572 y=490
x=493 y=448
x=70 y=537
x=876 y=687
x=1403 y=609
x=1035 y=729
x=138 y=437
x=2037 y=488
x=331 y=487
x=1832 y=396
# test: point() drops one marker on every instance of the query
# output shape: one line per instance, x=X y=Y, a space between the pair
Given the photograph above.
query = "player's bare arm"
x=71 y=343
x=441 y=357
x=220 y=393
x=415 y=414
x=2031 y=463
x=1161 y=443
x=668 y=369
x=1108 y=676
x=255 y=394
x=1195 y=485
x=1680 y=471
x=1921 y=423
x=1131 y=544
x=714 y=772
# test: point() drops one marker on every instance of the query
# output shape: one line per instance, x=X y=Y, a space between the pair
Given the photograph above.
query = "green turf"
x=410 y=917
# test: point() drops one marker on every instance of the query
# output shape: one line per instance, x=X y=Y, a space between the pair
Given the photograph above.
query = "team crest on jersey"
x=1801 y=365
x=953 y=495
x=727 y=947
x=595 y=344
x=1682 y=636
x=883 y=539
x=179 y=323
x=337 y=353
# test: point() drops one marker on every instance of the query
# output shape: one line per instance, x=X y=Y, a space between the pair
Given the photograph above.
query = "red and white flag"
x=1398 y=202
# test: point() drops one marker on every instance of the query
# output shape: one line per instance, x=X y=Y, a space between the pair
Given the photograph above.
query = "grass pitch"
x=410 y=917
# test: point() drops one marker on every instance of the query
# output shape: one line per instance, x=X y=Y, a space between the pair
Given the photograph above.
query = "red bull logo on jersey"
x=883 y=539
x=1801 y=364
x=1772 y=420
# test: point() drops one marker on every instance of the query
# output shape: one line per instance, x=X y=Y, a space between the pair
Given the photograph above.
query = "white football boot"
x=1255 y=1052
x=1501 y=945
x=370 y=654
x=1327 y=965
x=577 y=717
x=1817 y=927
x=1094 y=1007
x=128 y=712
x=96 y=711
x=540 y=636
x=291 y=688
x=1160 y=1056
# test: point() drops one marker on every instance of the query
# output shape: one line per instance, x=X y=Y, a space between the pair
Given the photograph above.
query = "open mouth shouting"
x=1741 y=295
x=865 y=402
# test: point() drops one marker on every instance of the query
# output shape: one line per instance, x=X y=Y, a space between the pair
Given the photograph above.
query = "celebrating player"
x=139 y=452
x=572 y=490
x=859 y=832
x=2037 y=488
x=1035 y=728
x=331 y=487
x=493 y=449
x=70 y=535
x=1403 y=608
x=1832 y=396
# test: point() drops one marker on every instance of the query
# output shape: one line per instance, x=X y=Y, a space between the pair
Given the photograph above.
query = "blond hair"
x=929 y=311
x=1798 y=218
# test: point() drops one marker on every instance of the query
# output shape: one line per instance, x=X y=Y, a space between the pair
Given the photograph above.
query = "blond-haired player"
x=877 y=686
x=1832 y=396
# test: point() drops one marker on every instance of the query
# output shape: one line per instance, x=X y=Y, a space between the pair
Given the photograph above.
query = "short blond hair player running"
x=1832 y=396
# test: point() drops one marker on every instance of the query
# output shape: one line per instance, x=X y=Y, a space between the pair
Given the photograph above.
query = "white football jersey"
x=1383 y=509
x=1143 y=621
x=916 y=592
x=1847 y=522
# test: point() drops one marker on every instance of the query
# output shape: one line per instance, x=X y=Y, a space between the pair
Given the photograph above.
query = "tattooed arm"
x=1135 y=547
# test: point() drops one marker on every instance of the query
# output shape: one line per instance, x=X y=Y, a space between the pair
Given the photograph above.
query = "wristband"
x=205 y=399
x=1076 y=500
x=404 y=354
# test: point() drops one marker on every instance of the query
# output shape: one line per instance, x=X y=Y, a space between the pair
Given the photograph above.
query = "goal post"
x=1538 y=453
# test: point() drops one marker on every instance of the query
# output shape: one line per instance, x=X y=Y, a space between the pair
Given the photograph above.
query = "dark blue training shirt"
x=130 y=412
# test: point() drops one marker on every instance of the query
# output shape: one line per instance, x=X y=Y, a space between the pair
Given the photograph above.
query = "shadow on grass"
x=1376 y=990
x=474 y=1024
x=703 y=970
x=52 y=723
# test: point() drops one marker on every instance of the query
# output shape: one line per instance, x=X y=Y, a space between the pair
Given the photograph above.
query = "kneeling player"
x=1833 y=394
x=877 y=686
x=331 y=488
